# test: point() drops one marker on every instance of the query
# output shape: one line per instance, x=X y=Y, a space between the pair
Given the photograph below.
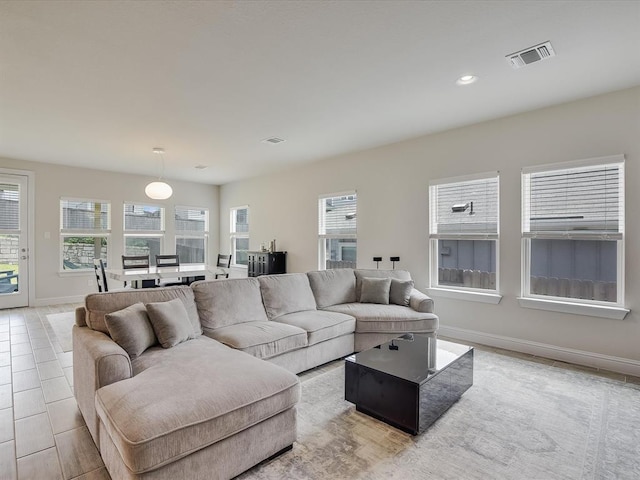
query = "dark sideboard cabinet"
x=266 y=263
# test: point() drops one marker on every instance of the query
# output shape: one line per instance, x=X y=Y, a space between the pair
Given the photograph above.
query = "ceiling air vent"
x=531 y=55
x=273 y=140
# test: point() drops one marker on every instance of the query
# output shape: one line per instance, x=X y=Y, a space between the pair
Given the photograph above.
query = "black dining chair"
x=101 y=276
x=169 y=261
x=224 y=263
x=138 y=261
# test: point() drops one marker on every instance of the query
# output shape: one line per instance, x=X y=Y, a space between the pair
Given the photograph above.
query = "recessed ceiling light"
x=466 y=79
x=201 y=167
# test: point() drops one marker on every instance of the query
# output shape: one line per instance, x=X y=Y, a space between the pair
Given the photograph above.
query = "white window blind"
x=9 y=207
x=577 y=202
x=191 y=220
x=140 y=217
x=84 y=216
x=465 y=208
x=338 y=216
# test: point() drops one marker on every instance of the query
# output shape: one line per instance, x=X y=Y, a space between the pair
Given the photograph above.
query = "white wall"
x=54 y=181
x=392 y=186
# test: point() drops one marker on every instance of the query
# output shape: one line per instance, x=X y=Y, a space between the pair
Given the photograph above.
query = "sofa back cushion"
x=97 y=305
x=222 y=303
x=370 y=273
x=333 y=286
x=286 y=293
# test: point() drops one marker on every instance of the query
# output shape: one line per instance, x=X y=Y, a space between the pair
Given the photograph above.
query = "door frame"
x=31 y=202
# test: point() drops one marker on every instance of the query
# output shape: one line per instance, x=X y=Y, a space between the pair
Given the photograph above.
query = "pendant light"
x=159 y=190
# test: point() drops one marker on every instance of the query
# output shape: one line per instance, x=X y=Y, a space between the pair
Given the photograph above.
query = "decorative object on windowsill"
x=393 y=260
x=462 y=207
x=159 y=190
x=377 y=260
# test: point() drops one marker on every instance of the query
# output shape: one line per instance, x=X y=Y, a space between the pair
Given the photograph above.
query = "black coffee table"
x=409 y=382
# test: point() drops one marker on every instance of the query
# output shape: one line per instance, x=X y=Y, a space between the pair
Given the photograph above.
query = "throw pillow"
x=170 y=321
x=130 y=328
x=400 y=292
x=375 y=290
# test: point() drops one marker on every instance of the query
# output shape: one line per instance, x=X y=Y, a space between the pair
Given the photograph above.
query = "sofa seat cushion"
x=196 y=394
x=261 y=339
x=320 y=325
x=387 y=318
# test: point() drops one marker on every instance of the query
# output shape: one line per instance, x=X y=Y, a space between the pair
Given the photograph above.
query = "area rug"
x=61 y=324
x=520 y=420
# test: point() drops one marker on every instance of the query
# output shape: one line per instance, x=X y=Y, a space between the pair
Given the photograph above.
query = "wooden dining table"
x=135 y=276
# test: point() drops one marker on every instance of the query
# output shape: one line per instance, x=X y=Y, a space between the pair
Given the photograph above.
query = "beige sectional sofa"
x=221 y=380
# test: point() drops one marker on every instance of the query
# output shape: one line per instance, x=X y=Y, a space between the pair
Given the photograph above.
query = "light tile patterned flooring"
x=42 y=433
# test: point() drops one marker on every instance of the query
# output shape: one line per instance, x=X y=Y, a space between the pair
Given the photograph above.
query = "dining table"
x=136 y=276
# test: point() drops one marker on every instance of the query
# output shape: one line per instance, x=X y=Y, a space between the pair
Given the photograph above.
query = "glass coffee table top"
x=411 y=357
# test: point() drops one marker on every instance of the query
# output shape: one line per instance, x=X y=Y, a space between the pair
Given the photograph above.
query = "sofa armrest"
x=420 y=302
x=81 y=317
x=97 y=361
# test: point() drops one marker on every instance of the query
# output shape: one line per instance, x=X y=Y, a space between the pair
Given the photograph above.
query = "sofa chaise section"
x=181 y=402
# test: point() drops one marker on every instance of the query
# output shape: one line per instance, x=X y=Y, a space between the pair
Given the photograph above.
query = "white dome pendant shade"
x=159 y=190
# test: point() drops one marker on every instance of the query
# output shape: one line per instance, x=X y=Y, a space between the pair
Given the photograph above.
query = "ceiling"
x=99 y=84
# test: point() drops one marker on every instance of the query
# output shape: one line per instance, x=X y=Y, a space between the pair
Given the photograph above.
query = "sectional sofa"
x=175 y=382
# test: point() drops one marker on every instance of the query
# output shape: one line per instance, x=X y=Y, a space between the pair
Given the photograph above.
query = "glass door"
x=14 y=250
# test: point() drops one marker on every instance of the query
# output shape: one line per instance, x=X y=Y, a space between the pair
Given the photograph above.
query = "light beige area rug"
x=61 y=324
x=520 y=421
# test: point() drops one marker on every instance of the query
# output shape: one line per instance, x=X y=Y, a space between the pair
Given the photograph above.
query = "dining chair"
x=224 y=263
x=138 y=261
x=169 y=261
x=101 y=276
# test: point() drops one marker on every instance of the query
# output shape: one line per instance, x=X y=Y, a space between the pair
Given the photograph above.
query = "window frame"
x=460 y=292
x=192 y=234
x=82 y=232
x=323 y=236
x=234 y=235
x=598 y=308
x=160 y=234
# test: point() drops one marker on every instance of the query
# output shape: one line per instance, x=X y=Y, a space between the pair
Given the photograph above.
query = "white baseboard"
x=626 y=366
x=43 y=302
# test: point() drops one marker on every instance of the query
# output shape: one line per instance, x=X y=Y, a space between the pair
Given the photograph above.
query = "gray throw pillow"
x=375 y=290
x=400 y=292
x=170 y=321
x=130 y=328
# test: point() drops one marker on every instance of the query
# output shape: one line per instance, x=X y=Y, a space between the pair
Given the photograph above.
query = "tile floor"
x=42 y=433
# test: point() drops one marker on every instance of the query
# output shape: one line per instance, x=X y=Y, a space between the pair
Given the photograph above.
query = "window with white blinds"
x=144 y=230
x=337 y=230
x=572 y=202
x=9 y=207
x=239 y=239
x=192 y=234
x=85 y=227
x=464 y=231
x=573 y=231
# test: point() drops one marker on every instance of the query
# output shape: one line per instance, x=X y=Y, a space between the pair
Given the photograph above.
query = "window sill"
x=242 y=267
x=76 y=273
x=602 y=311
x=481 y=297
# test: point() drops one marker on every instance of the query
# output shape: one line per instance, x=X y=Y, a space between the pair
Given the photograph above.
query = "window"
x=337 y=231
x=143 y=230
x=240 y=235
x=192 y=234
x=573 y=231
x=464 y=233
x=85 y=226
